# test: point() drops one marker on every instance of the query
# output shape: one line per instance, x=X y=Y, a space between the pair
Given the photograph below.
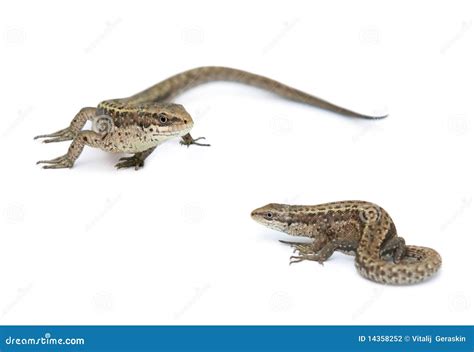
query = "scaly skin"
x=140 y=123
x=352 y=227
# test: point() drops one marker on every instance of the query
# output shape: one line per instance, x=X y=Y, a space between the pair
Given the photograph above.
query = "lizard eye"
x=163 y=118
x=269 y=216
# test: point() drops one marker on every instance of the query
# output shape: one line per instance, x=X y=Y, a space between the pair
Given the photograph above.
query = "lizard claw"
x=61 y=162
x=300 y=258
x=296 y=259
x=187 y=140
x=303 y=248
x=130 y=161
x=65 y=134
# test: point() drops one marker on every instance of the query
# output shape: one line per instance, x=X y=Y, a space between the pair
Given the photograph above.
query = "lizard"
x=139 y=123
x=357 y=228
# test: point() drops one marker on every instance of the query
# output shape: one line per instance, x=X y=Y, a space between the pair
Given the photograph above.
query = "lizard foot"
x=187 y=140
x=296 y=259
x=61 y=162
x=310 y=256
x=130 y=161
x=303 y=248
x=65 y=134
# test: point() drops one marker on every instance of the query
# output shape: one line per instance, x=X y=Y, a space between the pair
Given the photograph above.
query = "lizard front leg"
x=325 y=252
x=312 y=247
x=187 y=140
x=137 y=160
x=82 y=139
x=74 y=128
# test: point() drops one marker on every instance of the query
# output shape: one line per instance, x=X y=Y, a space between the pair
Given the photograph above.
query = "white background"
x=173 y=243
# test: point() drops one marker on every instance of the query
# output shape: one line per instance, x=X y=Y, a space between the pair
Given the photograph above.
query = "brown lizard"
x=357 y=228
x=140 y=123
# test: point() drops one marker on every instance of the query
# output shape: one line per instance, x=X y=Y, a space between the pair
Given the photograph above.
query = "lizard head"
x=274 y=216
x=166 y=119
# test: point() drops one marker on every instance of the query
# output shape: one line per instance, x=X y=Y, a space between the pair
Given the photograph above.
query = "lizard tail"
x=171 y=87
x=418 y=264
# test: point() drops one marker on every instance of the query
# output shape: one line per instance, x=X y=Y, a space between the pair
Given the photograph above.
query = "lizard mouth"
x=174 y=132
x=167 y=134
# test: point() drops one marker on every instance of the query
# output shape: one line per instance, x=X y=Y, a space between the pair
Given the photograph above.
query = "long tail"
x=171 y=87
x=419 y=264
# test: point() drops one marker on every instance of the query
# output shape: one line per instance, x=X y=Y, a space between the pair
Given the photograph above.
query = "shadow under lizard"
x=138 y=124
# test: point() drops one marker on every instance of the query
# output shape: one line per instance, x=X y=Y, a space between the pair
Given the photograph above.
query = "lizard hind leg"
x=67 y=160
x=73 y=129
x=394 y=248
x=325 y=252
